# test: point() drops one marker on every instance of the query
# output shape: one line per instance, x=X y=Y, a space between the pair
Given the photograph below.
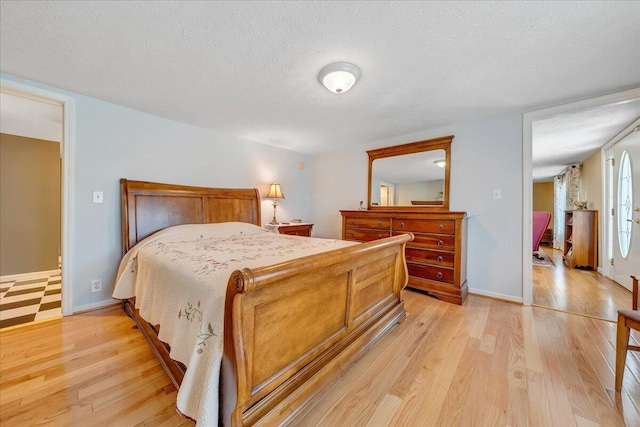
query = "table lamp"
x=275 y=193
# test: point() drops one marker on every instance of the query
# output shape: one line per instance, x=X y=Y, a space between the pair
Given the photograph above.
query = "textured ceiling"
x=572 y=138
x=30 y=118
x=250 y=68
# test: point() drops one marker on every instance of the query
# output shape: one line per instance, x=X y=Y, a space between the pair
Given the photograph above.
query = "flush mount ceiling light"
x=440 y=163
x=339 y=77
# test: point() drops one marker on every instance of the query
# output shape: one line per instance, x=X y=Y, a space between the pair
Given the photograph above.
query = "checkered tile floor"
x=24 y=301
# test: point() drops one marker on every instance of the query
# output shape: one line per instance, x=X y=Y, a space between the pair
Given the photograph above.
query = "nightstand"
x=297 y=229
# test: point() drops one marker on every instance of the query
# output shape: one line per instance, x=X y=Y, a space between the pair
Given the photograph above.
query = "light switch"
x=497 y=194
x=98 y=197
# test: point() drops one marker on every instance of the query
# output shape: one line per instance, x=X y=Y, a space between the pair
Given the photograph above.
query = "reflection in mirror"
x=415 y=179
x=413 y=176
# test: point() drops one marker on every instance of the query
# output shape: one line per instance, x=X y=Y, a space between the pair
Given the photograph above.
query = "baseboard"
x=28 y=276
x=495 y=295
x=95 y=305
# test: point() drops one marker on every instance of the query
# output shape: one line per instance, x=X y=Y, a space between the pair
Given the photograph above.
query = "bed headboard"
x=150 y=206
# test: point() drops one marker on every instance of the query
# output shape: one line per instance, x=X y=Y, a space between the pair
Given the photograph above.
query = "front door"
x=626 y=205
x=384 y=195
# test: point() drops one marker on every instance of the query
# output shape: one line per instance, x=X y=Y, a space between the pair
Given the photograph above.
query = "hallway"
x=577 y=291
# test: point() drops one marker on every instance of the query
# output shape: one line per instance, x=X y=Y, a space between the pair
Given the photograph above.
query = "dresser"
x=292 y=229
x=437 y=255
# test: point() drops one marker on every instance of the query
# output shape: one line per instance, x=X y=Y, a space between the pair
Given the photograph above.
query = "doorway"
x=66 y=103
x=384 y=195
x=595 y=280
x=30 y=201
x=623 y=196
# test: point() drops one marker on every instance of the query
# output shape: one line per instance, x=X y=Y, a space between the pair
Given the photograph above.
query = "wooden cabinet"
x=581 y=239
x=298 y=229
x=437 y=255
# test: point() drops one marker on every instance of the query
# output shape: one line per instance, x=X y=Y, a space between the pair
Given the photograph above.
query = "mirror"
x=411 y=176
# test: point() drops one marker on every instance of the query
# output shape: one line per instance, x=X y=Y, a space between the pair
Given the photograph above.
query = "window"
x=625 y=204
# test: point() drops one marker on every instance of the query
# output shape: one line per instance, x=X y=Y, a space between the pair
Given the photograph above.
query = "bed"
x=279 y=350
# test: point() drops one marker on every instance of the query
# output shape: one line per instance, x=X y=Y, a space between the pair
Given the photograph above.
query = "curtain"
x=566 y=192
x=574 y=184
x=559 y=203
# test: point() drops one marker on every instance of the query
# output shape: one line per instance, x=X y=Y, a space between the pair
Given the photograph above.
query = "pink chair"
x=541 y=221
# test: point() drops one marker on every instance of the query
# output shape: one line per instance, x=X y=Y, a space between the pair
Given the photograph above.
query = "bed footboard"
x=291 y=328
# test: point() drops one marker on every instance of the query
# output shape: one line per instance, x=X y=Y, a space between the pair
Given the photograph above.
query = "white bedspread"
x=179 y=278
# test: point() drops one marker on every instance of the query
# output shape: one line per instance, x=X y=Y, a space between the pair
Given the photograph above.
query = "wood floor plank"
x=559 y=401
x=385 y=411
x=517 y=407
x=569 y=371
x=538 y=399
x=596 y=390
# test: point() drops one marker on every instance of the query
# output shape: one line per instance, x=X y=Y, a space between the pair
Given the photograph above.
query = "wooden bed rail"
x=293 y=326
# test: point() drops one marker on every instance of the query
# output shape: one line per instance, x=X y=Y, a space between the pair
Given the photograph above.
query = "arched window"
x=625 y=204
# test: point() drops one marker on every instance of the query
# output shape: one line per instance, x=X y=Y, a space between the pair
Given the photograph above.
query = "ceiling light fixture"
x=440 y=163
x=339 y=77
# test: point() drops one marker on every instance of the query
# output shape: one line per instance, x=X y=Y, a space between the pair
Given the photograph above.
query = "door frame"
x=527 y=171
x=606 y=232
x=67 y=155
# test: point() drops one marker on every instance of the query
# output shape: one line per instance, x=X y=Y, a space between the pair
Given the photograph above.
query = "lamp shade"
x=339 y=77
x=275 y=192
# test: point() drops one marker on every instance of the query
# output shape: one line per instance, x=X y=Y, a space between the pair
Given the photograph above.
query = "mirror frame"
x=442 y=143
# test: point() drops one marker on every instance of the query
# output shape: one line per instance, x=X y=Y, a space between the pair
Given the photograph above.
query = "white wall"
x=486 y=155
x=114 y=142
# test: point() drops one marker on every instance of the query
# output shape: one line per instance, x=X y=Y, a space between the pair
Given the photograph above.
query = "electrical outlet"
x=96 y=285
x=98 y=197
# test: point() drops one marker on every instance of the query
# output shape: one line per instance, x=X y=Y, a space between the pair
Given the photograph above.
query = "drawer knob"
x=379 y=236
x=402 y=224
x=379 y=224
x=353 y=234
x=353 y=221
x=440 y=259
x=440 y=243
x=439 y=275
x=440 y=227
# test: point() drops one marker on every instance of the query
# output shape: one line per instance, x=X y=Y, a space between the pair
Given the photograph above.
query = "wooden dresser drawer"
x=432 y=241
x=296 y=230
x=364 y=235
x=377 y=223
x=440 y=274
x=425 y=256
x=424 y=225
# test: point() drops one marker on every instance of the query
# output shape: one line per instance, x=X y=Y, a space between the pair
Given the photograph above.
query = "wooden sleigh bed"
x=280 y=351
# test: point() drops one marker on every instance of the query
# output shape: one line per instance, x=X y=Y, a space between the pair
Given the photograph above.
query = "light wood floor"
x=577 y=291
x=486 y=363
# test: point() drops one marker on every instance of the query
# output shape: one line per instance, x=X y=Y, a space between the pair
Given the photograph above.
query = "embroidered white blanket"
x=179 y=278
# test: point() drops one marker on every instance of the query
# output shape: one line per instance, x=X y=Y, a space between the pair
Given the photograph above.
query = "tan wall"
x=29 y=204
x=422 y=190
x=543 y=198
x=592 y=185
